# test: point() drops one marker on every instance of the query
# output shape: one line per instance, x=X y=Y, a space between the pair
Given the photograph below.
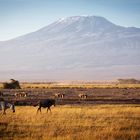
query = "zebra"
x=5 y=105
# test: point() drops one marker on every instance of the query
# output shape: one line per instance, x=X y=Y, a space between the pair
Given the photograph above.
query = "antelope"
x=59 y=95
x=22 y=94
x=83 y=96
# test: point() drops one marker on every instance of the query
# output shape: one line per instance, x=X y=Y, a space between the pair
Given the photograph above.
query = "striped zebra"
x=6 y=105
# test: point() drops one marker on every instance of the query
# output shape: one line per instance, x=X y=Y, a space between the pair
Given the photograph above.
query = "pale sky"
x=18 y=17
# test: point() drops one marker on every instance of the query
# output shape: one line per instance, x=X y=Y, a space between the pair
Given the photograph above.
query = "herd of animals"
x=45 y=103
x=56 y=95
x=41 y=99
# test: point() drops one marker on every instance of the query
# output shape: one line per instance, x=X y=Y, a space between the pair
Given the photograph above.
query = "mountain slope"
x=75 y=48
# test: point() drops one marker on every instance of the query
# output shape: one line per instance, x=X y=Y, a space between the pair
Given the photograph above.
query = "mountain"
x=73 y=48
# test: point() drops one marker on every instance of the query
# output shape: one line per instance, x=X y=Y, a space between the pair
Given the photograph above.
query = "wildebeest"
x=83 y=96
x=59 y=95
x=21 y=94
x=14 y=84
x=5 y=105
x=46 y=103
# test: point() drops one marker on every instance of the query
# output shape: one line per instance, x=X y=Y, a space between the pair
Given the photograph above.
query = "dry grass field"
x=67 y=85
x=110 y=112
x=72 y=122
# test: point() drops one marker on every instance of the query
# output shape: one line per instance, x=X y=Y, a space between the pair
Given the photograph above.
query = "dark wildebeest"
x=59 y=95
x=46 y=103
x=5 y=105
x=83 y=96
x=12 y=85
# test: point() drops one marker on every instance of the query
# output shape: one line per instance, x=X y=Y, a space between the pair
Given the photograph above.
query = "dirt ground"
x=94 y=96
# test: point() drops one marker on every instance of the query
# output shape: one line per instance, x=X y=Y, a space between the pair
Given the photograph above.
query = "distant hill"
x=74 y=48
x=129 y=81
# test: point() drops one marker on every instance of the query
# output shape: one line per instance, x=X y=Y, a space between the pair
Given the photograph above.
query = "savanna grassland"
x=99 y=122
x=110 y=112
x=75 y=85
x=80 y=85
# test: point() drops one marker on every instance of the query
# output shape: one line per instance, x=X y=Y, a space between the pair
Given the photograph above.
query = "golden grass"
x=64 y=85
x=98 y=122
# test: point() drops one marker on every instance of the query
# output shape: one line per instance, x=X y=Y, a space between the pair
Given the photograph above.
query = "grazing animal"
x=59 y=95
x=83 y=96
x=46 y=103
x=22 y=94
x=5 y=105
x=17 y=94
x=12 y=85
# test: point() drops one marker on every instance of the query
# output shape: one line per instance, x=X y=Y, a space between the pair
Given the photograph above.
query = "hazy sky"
x=18 y=17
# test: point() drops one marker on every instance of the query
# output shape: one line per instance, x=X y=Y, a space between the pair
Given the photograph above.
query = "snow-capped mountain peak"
x=78 y=47
x=85 y=23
